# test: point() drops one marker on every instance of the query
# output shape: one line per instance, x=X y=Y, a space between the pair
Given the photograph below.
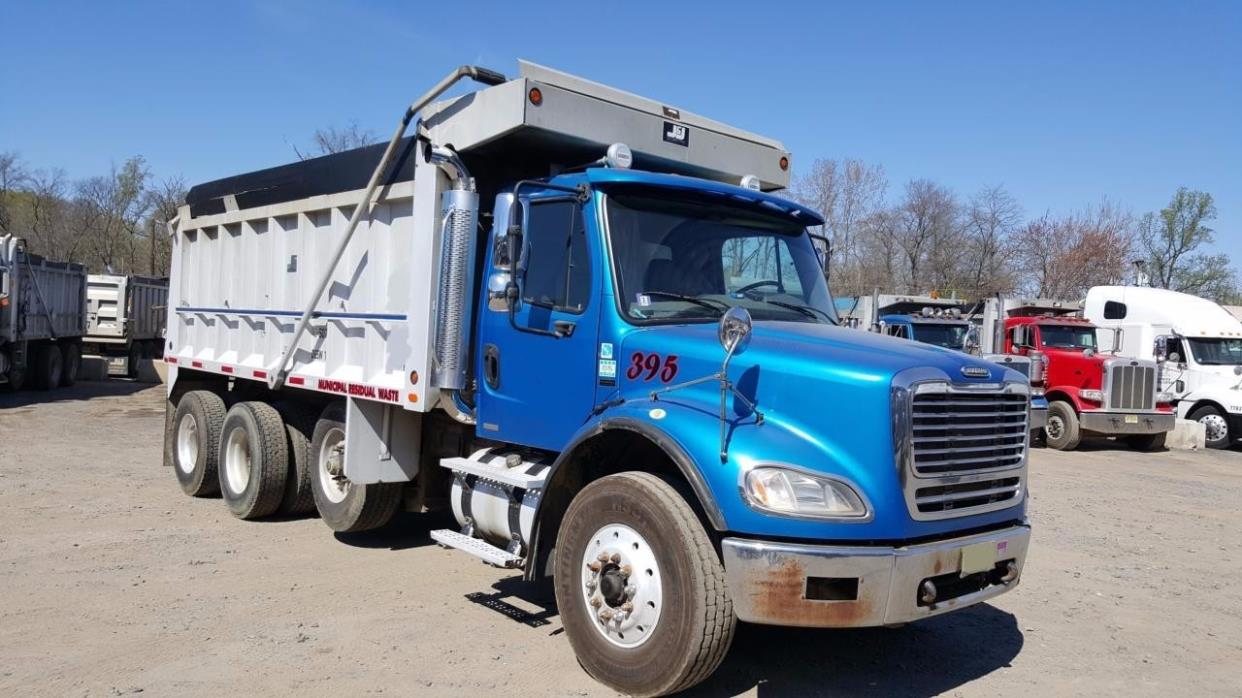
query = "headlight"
x=795 y=493
x=1036 y=391
x=1164 y=398
x=1092 y=395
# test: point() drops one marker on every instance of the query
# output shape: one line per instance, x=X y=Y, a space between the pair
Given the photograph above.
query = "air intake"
x=457 y=248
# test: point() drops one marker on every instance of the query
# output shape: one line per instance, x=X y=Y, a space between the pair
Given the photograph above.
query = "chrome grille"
x=938 y=499
x=1131 y=386
x=966 y=432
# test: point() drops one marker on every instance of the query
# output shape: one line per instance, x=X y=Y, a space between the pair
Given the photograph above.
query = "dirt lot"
x=115 y=583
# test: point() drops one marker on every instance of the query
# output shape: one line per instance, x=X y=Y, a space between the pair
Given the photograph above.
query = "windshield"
x=688 y=259
x=1216 y=352
x=945 y=335
x=1067 y=336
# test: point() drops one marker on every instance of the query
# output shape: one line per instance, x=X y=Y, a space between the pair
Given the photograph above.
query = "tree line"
x=918 y=238
x=111 y=223
x=924 y=237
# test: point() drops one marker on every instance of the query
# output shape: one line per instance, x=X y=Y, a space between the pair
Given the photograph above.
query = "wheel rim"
x=331 y=462
x=1215 y=426
x=237 y=460
x=621 y=584
x=1055 y=427
x=187 y=444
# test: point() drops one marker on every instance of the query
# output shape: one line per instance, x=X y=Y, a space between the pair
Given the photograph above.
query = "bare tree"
x=163 y=200
x=12 y=176
x=846 y=193
x=113 y=208
x=928 y=236
x=990 y=221
x=335 y=140
x=1063 y=257
x=1170 y=241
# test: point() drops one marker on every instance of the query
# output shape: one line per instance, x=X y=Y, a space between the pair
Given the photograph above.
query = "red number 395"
x=652 y=365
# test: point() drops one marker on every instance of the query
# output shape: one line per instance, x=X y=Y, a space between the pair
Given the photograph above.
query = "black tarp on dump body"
x=345 y=171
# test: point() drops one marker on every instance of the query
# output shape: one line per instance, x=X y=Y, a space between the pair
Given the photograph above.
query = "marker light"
x=619 y=156
x=784 y=163
x=535 y=96
x=1092 y=395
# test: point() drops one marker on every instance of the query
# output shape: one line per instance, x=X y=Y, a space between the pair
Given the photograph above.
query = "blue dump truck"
x=581 y=321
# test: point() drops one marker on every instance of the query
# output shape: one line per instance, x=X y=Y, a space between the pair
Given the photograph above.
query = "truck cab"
x=1090 y=391
x=1197 y=344
x=586 y=323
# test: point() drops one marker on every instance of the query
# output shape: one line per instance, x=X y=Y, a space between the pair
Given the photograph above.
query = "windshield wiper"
x=709 y=304
x=807 y=310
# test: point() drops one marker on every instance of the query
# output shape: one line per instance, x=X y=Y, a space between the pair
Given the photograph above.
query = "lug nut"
x=603 y=557
x=628 y=607
x=595 y=601
x=595 y=567
x=631 y=590
x=591 y=584
x=626 y=570
x=616 y=558
x=605 y=614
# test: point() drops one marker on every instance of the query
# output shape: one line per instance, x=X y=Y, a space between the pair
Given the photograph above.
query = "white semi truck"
x=577 y=317
x=42 y=318
x=1197 y=343
x=125 y=319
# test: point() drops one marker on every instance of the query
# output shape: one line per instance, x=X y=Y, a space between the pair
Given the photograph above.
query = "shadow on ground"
x=405 y=531
x=27 y=397
x=921 y=659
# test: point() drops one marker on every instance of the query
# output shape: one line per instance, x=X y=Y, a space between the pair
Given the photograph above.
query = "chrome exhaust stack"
x=458 y=243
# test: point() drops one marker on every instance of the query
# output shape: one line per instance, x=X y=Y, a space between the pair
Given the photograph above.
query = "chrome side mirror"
x=734 y=330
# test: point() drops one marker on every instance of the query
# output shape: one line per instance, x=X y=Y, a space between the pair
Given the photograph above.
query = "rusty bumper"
x=848 y=586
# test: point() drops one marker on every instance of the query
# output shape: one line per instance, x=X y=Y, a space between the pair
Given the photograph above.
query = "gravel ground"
x=115 y=583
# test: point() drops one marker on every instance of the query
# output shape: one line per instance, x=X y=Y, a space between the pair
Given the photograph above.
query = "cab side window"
x=897 y=331
x=558 y=271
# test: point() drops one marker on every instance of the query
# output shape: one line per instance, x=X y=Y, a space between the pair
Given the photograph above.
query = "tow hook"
x=1011 y=572
x=927 y=592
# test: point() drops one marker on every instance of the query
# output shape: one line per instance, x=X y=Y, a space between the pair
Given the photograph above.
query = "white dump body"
x=122 y=309
x=242 y=272
x=41 y=299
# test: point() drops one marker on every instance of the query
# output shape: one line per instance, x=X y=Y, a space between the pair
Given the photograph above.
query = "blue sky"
x=1062 y=103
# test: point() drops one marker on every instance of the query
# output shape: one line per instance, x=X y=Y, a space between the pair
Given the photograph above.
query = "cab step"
x=495 y=471
x=477 y=547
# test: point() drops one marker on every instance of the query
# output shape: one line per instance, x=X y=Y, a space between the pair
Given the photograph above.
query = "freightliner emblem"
x=976 y=372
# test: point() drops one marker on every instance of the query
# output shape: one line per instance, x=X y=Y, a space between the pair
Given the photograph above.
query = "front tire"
x=640 y=587
x=1215 y=424
x=1063 y=430
x=346 y=507
x=194 y=440
x=254 y=459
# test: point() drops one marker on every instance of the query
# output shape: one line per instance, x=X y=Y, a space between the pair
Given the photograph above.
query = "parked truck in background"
x=574 y=315
x=943 y=322
x=1091 y=391
x=1197 y=343
x=125 y=319
x=42 y=318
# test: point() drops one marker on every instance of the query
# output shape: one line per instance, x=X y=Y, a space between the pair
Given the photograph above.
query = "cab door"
x=536 y=367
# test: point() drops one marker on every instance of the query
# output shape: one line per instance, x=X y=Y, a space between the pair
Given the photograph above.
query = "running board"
x=477 y=547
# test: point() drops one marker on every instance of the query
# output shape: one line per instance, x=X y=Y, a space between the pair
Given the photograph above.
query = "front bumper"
x=857 y=586
x=1125 y=423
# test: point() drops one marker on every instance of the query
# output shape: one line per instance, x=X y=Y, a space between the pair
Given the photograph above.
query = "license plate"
x=980 y=557
x=1132 y=419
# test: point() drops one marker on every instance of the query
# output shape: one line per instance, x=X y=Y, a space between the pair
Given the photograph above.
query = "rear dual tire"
x=49 y=366
x=195 y=442
x=254 y=460
x=347 y=507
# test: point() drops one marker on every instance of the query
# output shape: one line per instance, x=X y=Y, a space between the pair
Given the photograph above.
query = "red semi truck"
x=1091 y=392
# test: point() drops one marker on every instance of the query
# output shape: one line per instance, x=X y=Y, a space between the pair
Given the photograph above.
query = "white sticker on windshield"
x=644 y=299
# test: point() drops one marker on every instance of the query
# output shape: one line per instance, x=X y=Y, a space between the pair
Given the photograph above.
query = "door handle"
x=564 y=328
x=491 y=366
